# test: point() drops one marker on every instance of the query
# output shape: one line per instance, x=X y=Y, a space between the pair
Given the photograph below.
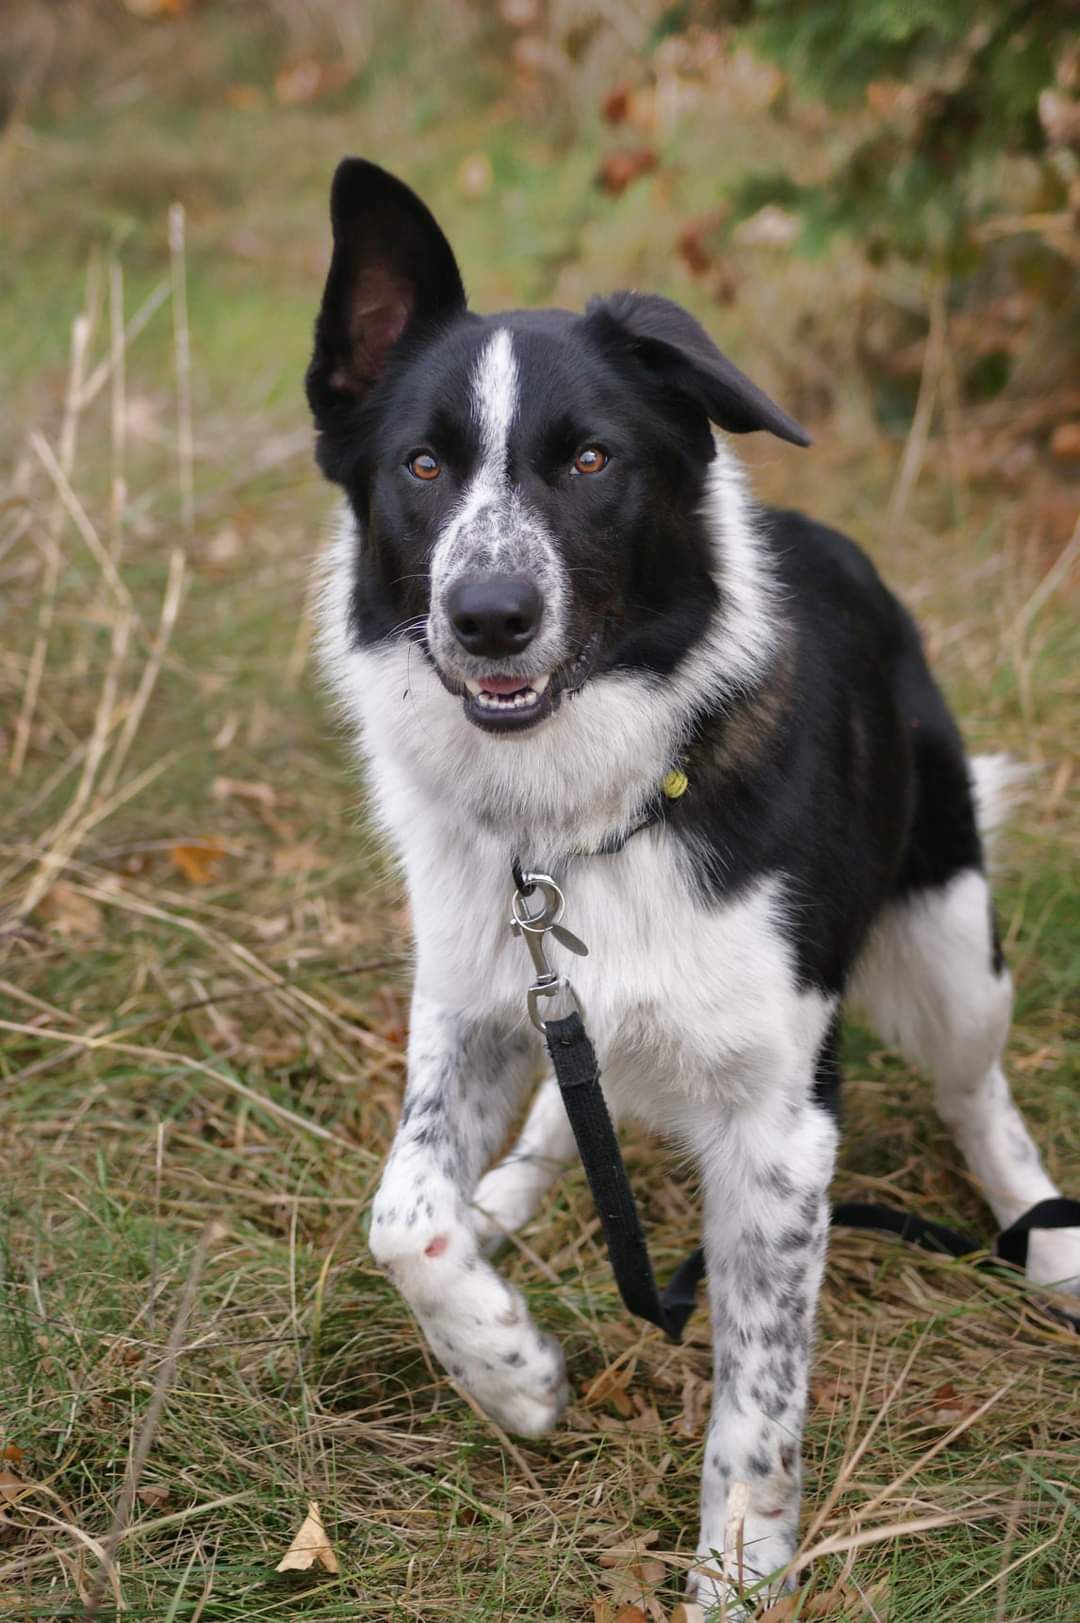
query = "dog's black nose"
x=494 y=615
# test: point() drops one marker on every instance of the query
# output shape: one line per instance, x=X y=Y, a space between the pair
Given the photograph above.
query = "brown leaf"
x=1065 y=442
x=12 y=1453
x=155 y=1494
x=695 y=1399
x=198 y=861
x=688 y=1611
x=305 y=79
x=310 y=1545
x=610 y=1386
x=617 y=1555
x=245 y=98
x=70 y=912
x=630 y=1614
x=947 y=1406
x=149 y=9
x=10 y=1485
x=691 y=249
x=296 y=859
x=831 y=1394
x=261 y=794
x=615 y=107
x=620 y=169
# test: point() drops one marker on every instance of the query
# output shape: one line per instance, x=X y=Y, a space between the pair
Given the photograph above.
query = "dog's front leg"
x=465 y=1079
x=765 y=1179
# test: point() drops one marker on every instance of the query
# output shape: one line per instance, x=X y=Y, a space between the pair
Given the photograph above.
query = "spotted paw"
x=735 y=1588
x=494 y=1350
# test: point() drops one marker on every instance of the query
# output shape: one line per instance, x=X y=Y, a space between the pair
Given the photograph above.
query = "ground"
x=204 y=963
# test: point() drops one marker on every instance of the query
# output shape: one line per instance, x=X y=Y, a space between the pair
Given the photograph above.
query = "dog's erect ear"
x=668 y=340
x=392 y=269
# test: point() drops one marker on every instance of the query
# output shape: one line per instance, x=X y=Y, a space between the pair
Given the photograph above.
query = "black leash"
x=577 y=1073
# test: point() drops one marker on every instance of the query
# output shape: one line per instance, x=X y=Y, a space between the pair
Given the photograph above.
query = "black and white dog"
x=549 y=589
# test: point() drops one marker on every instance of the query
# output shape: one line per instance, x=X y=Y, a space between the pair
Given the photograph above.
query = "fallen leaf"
x=688 y=1611
x=245 y=98
x=610 y=1386
x=198 y=862
x=947 y=1406
x=149 y=9
x=70 y=912
x=615 y=107
x=1065 y=442
x=12 y=1453
x=296 y=859
x=620 y=169
x=770 y=227
x=1043 y=1059
x=10 y=1486
x=695 y=1409
x=630 y=1614
x=475 y=175
x=305 y=79
x=520 y=13
x=261 y=794
x=310 y=1545
x=155 y=1494
x=272 y=928
x=831 y=1394
x=616 y=1555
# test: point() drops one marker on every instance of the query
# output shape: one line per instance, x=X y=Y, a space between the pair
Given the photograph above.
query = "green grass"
x=271 y=996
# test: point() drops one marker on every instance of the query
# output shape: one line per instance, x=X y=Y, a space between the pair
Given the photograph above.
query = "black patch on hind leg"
x=997 y=952
x=828 y=1074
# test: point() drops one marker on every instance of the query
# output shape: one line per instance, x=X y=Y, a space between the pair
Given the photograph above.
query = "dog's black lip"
x=566 y=679
x=509 y=720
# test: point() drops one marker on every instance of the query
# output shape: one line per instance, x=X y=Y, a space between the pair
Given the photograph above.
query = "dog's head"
x=528 y=486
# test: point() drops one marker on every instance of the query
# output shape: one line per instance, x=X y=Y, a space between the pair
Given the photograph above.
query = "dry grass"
x=203 y=970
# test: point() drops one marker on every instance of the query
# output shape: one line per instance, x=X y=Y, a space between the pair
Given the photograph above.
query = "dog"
x=549 y=590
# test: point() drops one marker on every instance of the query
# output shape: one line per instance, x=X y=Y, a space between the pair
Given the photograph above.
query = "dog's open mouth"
x=505 y=703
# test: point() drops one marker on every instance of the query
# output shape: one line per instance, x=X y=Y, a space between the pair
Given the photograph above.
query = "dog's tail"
x=998 y=784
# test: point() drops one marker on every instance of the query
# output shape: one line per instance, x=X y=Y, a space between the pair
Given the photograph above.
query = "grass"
x=203 y=1005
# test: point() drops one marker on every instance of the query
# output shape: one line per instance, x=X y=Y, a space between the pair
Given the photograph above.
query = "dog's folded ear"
x=392 y=271
x=679 y=352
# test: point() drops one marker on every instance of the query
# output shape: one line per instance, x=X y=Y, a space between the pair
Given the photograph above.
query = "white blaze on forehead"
x=494 y=400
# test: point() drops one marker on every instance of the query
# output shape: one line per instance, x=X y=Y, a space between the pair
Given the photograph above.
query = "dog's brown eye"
x=591 y=460
x=424 y=466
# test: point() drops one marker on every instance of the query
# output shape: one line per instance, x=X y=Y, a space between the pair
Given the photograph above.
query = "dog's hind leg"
x=512 y=1192
x=932 y=981
x=466 y=1079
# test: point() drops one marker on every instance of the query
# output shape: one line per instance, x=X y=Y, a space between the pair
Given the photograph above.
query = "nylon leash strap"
x=578 y=1076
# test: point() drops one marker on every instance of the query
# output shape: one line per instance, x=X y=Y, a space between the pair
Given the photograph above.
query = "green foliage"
x=951 y=91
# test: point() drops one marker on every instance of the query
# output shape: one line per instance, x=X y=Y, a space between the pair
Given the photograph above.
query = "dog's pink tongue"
x=502 y=684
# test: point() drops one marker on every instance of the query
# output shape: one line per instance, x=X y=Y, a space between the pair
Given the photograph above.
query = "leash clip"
x=532 y=927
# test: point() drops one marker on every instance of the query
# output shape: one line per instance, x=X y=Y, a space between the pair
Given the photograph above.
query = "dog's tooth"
x=540 y=684
x=473 y=687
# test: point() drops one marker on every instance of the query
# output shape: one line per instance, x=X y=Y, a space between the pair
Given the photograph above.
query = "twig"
x=185 y=445
x=118 y=410
x=170 y=608
x=80 y=344
x=915 y=448
x=78 y=515
x=214 y=1230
